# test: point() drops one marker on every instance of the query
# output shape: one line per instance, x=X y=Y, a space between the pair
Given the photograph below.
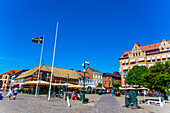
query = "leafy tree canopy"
x=158 y=77
x=99 y=85
x=116 y=85
x=134 y=76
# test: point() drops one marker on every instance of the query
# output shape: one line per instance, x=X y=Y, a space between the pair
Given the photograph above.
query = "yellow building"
x=146 y=55
x=5 y=80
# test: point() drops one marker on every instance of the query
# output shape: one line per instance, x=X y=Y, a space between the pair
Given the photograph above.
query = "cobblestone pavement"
x=97 y=104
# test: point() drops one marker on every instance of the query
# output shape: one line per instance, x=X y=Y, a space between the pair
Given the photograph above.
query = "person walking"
x=15 y=92
x=9 y=93
x=113 y=92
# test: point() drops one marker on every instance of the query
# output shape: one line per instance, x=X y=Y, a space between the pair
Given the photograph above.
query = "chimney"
x=79 y=70
x=137 y=43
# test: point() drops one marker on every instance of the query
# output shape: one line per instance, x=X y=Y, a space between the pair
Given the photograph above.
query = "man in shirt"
x=15 y=92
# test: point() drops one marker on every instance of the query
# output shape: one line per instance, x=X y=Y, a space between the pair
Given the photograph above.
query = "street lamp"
x=84 y=65
x=60 y=88
x=67 y=84
x=126 y=102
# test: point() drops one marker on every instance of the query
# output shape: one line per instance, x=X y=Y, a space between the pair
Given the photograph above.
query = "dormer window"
x=126 y=55
x=135 y=47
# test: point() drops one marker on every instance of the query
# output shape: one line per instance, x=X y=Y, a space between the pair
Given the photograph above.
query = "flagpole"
x=49 y=93
x=39 y=67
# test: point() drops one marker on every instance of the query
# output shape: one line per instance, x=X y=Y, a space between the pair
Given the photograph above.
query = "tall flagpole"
x=49 y=93
x=39 y=67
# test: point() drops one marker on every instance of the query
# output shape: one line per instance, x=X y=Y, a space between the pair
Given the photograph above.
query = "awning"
x=158 y=57
x=141 y=59
x=125 y=68
x=56 y=84
x=153 y=57
x=163 y=56
x=65 y=84
x=142 y=88
x=35 y=83
x=14 y=85
x=132 y=60
x=77 y=86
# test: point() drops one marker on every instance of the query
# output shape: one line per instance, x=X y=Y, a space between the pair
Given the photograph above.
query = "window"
x=162 y=48
x=158 y=59
x=168 y=48
x=126 y=55
x=139 y=54
x=163 y=58
x=109 y=84
x=44 y=75
x=5 y=77
x=4 y=81
x=105 y=78
x=149 y=46
x=153 y=60
x=136 y=54
x=133 y=63
x=135 y=47
x=105 y=84
x=109 y=79
x=133 y=54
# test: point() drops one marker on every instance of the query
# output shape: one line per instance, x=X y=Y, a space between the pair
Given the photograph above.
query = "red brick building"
x=108 y=78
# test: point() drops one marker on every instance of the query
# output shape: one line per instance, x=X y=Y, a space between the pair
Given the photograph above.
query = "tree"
x=158 y=77
x=116 y=85
x=135 y=75
x=99 y=85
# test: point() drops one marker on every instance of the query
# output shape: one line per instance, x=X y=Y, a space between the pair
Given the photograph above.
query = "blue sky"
x=98 y=31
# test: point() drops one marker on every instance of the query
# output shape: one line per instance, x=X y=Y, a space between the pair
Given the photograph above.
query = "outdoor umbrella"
x=35 y=83
x=77 y=86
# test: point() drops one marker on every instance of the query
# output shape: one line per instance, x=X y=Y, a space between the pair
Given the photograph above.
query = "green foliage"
x=99 y=85
x=22 y=89
x=135 y=75
x=158 y=77
x=116 y=85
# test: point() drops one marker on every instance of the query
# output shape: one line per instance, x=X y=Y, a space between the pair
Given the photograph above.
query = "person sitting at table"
x=74 y=95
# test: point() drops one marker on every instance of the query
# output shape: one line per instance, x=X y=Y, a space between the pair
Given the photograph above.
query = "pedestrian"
x=9 y=93
x=15 y=90
x=113 y=92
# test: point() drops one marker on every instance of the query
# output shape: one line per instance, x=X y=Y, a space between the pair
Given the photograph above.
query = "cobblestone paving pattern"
x=97 y=104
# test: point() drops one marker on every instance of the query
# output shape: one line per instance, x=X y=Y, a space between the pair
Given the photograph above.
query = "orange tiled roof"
x=144 y=48
x=81 y=74
x=12 y=71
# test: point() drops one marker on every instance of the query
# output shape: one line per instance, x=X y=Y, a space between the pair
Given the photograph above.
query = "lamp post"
x=126 y=102
x=84 y=65
x=67 y=84
x=60 y=88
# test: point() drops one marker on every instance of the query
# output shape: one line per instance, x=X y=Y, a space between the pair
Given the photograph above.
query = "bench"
x=157 y=102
